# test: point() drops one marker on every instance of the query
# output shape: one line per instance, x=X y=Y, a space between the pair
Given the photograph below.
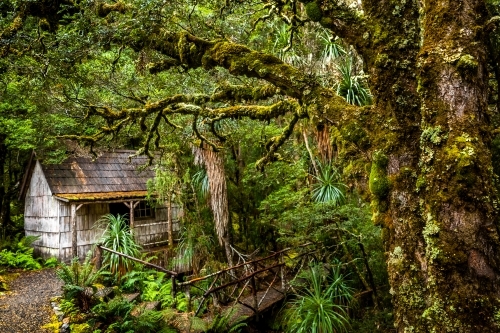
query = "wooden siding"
x=147 y=232
x=41 y=215
x=88 y=231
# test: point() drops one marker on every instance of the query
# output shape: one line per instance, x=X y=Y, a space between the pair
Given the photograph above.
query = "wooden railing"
x=245 y=278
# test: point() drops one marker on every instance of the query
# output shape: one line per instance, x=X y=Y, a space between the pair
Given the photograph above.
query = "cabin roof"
x=111 y=175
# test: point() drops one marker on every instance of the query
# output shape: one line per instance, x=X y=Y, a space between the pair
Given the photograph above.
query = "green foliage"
x=200 y=183
x=118 y=237
x=328 y=187
x=79 y=281
x=322 y=306
x=332 y=47
x=19 y=260
x=51 y=263
x=18 y=253
x=225 y=322
x=352 y=86
x=117 y=316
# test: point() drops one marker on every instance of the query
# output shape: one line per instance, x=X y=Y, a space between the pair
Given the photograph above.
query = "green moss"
x=313 y=11
x=382 y=60
x=431 y=233
x=432 y=135
x=379 y=182
x=353 y=133
x=495 y=154
x=467 y=63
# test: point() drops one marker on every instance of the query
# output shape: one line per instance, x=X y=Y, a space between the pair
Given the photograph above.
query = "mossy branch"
x=192 y=52
x=342 y=20
x=276 y=142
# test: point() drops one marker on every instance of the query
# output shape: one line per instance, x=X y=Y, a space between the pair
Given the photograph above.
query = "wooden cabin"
x=64 y=201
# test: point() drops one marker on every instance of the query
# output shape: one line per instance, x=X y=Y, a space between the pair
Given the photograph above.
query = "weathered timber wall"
x=154 y=232
x=41 y=215
x=88 y=231
x=147 y=232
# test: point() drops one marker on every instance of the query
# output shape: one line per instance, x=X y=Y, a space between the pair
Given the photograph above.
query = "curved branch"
x=276 y=142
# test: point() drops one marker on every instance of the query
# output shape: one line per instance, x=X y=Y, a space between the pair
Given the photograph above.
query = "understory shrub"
x=118 y=237
x=79 y=281
x=321 y=305
x=19 y=253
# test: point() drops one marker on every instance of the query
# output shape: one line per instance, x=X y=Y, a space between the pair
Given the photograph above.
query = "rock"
x=64 y=328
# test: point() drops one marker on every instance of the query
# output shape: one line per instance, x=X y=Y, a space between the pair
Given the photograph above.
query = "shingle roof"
x=111 y=172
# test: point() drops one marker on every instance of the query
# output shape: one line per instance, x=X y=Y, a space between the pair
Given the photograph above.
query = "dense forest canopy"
x=402 y=94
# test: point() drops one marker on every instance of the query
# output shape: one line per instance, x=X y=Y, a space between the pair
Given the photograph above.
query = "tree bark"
x=438 y=200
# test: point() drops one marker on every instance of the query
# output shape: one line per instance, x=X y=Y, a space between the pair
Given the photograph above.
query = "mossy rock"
x=313 y=11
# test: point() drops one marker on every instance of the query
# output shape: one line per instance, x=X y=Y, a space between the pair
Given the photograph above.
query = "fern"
x=79 y=281
x=226 y=322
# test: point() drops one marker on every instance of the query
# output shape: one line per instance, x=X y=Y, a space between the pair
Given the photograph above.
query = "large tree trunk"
x=432 y=180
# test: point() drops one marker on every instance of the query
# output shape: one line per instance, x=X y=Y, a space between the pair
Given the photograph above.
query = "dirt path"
x=27 y=305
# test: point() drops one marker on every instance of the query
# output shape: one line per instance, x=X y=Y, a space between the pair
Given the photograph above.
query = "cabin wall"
x=88 y=230
x=40 y=215
x=148 y=232
x=153 y=232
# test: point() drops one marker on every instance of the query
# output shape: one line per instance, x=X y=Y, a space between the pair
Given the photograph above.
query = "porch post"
x=74 y=236
x=74 y=232
x=131 y=214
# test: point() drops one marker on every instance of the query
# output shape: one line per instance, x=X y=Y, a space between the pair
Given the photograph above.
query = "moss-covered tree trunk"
x=431 y=178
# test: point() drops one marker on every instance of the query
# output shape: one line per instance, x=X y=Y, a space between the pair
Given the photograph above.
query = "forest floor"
x=26 y=306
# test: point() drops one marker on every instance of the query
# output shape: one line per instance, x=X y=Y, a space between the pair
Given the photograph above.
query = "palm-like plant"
x=79 y=281
x=351 y=86
x=200 y=183
x=328 y=186
x=119 y=238
x=320 y=308
x=332 y=48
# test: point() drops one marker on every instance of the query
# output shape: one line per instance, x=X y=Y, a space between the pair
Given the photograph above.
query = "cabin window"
x=143 y=211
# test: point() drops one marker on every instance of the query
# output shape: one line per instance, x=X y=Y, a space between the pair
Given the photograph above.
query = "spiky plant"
x=118 y=237
x=351 y=86
x=332 y=47
x=321 y=307
x=79 y=281
x=328 y=186
x=200 y=183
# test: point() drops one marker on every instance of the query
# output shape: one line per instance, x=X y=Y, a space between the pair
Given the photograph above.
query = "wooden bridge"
x=245 y=290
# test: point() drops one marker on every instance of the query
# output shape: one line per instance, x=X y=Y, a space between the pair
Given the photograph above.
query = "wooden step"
x=130 y=297
x=145 y=306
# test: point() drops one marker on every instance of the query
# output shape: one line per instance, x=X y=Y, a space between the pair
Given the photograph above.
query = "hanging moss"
x=313 y=11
